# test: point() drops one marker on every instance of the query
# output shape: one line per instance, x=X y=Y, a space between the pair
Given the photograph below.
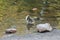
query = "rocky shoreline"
x=53 y=35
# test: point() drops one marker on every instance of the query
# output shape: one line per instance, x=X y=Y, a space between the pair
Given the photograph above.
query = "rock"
x=53 y=35
x=44 y=27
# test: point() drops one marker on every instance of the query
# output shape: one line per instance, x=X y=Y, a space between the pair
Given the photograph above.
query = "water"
x=21 y=27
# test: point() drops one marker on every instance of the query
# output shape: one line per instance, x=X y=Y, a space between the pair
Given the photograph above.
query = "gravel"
x=53 y=35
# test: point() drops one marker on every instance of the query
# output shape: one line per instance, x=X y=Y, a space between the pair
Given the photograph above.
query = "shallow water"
x=21 y=27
